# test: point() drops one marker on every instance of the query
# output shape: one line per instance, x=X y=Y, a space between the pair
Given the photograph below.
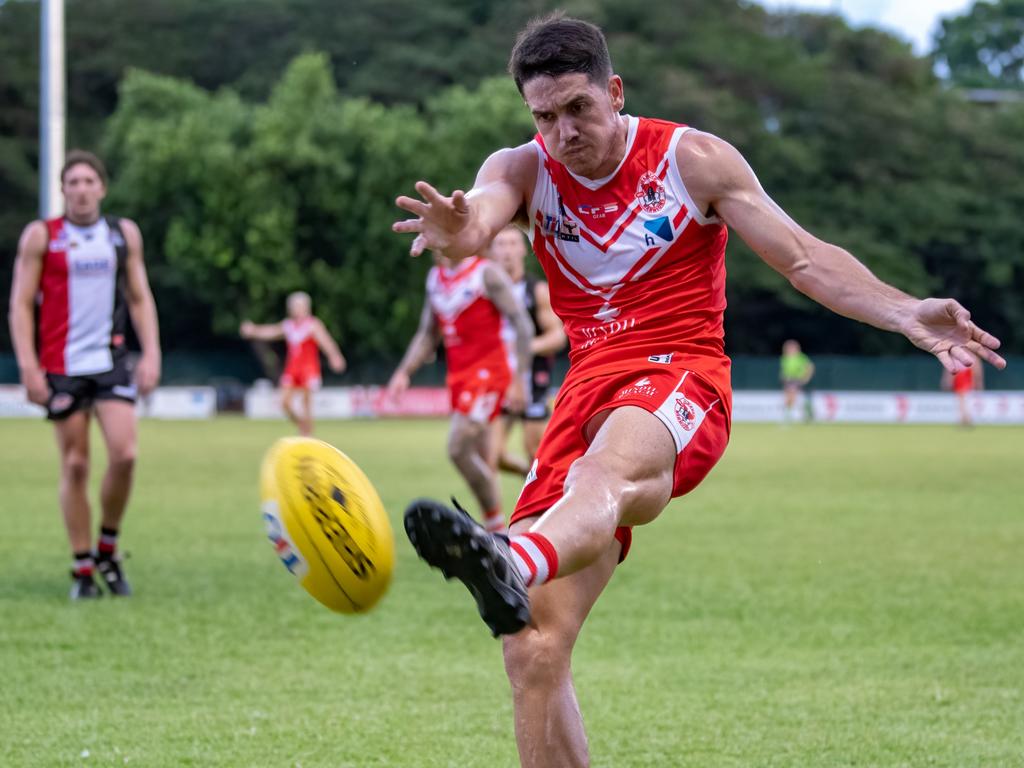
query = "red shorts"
x=480 y=394
x=300 y=377
x=687 y=405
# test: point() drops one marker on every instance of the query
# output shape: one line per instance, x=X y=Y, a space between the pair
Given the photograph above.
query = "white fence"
x=163 y=403
x=748 y=406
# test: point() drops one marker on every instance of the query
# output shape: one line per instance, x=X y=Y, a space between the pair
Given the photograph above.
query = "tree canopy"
x=260 y=146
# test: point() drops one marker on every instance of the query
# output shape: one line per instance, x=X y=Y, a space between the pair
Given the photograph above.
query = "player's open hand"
x=515 y=396
x=439 y=220
x=944 y=328
x=147 y=374
x=398 y=385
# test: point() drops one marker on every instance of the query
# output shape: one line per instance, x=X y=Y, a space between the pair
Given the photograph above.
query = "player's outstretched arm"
x=264 y=332
x=461 y=225
x=142 y=308
x=499 y=289
x=421 y=349
x=718 y=178
x=28 y=270
x=328 y=346
x=550 y=337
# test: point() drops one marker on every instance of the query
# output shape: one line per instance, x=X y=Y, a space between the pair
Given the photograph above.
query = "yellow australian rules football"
x=327 y=523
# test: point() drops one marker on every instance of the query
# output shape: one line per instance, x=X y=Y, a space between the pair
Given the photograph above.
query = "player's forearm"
x=524 y=341
x=835 y=279
x=22 y=326
x=548 y=343
x=147 y=326
x=420 y=349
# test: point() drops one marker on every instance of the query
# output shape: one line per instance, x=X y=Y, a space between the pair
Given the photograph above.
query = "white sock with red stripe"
x=535 y=558
x=494 y=520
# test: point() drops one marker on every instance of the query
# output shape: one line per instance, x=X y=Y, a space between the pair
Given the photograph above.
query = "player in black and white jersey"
x=508 y=250
x=77 y=279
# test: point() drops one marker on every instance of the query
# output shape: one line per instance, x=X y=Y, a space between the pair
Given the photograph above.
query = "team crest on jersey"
x=61 y=242
x=686 y=413
x=560 y=225
x=650 y=193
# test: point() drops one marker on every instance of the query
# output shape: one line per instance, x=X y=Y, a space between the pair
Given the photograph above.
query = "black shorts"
x=78 y=393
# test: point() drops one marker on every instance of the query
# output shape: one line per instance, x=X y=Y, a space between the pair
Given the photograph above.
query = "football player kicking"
x=305 y=337
x=629 y=219
x=464 y=308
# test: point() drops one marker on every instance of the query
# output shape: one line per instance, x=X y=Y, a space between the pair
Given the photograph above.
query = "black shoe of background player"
x=456 y=544
x=84 y=587
x=113 y=576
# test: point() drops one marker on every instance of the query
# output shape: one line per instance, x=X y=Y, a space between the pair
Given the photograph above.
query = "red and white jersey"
x=470 y=323
x=635 y=270
x=82 y=311
x=303 y=353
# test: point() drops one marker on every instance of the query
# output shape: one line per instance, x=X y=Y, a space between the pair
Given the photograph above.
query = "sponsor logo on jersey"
x=598 y=211
x=560 y=225
x=686 y=413
x=662 y=359
x=99 y=265
x=661 y=227
x=650 y=193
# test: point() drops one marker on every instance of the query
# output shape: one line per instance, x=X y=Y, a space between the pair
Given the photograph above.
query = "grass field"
x=831 y=596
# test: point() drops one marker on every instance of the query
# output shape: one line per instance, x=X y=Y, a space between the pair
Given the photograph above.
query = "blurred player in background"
x=465 y=306
x=963 y=383
x=795 y=372
x=508 y=250
x=77 y=279
x=305 y=337
x=628 y=216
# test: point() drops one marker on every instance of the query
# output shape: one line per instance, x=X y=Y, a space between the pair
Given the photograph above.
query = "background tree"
x=984 y=48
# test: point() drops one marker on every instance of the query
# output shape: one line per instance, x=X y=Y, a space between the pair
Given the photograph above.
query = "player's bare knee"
x=122 y=461
x=75 y=467
x=535 y=658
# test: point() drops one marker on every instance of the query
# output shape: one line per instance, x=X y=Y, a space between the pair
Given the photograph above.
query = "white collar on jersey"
x=593 y=184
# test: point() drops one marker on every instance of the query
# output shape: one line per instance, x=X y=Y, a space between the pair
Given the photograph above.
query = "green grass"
x=831 y=596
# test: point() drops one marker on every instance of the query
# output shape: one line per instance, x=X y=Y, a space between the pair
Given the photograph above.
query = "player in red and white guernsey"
x=465 y=308
x=77 y=279
x=305 y=336
x=629 y=218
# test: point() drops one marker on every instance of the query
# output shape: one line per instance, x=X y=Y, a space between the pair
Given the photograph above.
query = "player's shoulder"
x=34 y=237
x=708 y=164
x=128 y=228
x=516 y=164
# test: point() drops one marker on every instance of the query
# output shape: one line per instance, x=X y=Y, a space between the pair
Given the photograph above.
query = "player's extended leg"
x=287 y=392
x=306 y=417
x=549 y=727
x=467 y=448
x=624 y=478
x=533 y=431
x=120 y=432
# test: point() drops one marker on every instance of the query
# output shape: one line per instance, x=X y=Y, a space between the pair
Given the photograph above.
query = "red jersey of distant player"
x=637 y=274
x=478 y=371
x=302 y=360
x=963 y=381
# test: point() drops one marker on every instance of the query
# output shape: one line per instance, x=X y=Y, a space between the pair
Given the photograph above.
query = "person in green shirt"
x=795 y=371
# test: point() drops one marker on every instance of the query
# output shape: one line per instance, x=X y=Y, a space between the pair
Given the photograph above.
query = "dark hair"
x=81 y=157
x=557 y=45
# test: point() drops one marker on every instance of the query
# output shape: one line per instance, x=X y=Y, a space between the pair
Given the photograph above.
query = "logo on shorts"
x=61 y=402
x=532 y=474
x=663 y=359
x=650 y=193
x=686 y=413
x=124 y=391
